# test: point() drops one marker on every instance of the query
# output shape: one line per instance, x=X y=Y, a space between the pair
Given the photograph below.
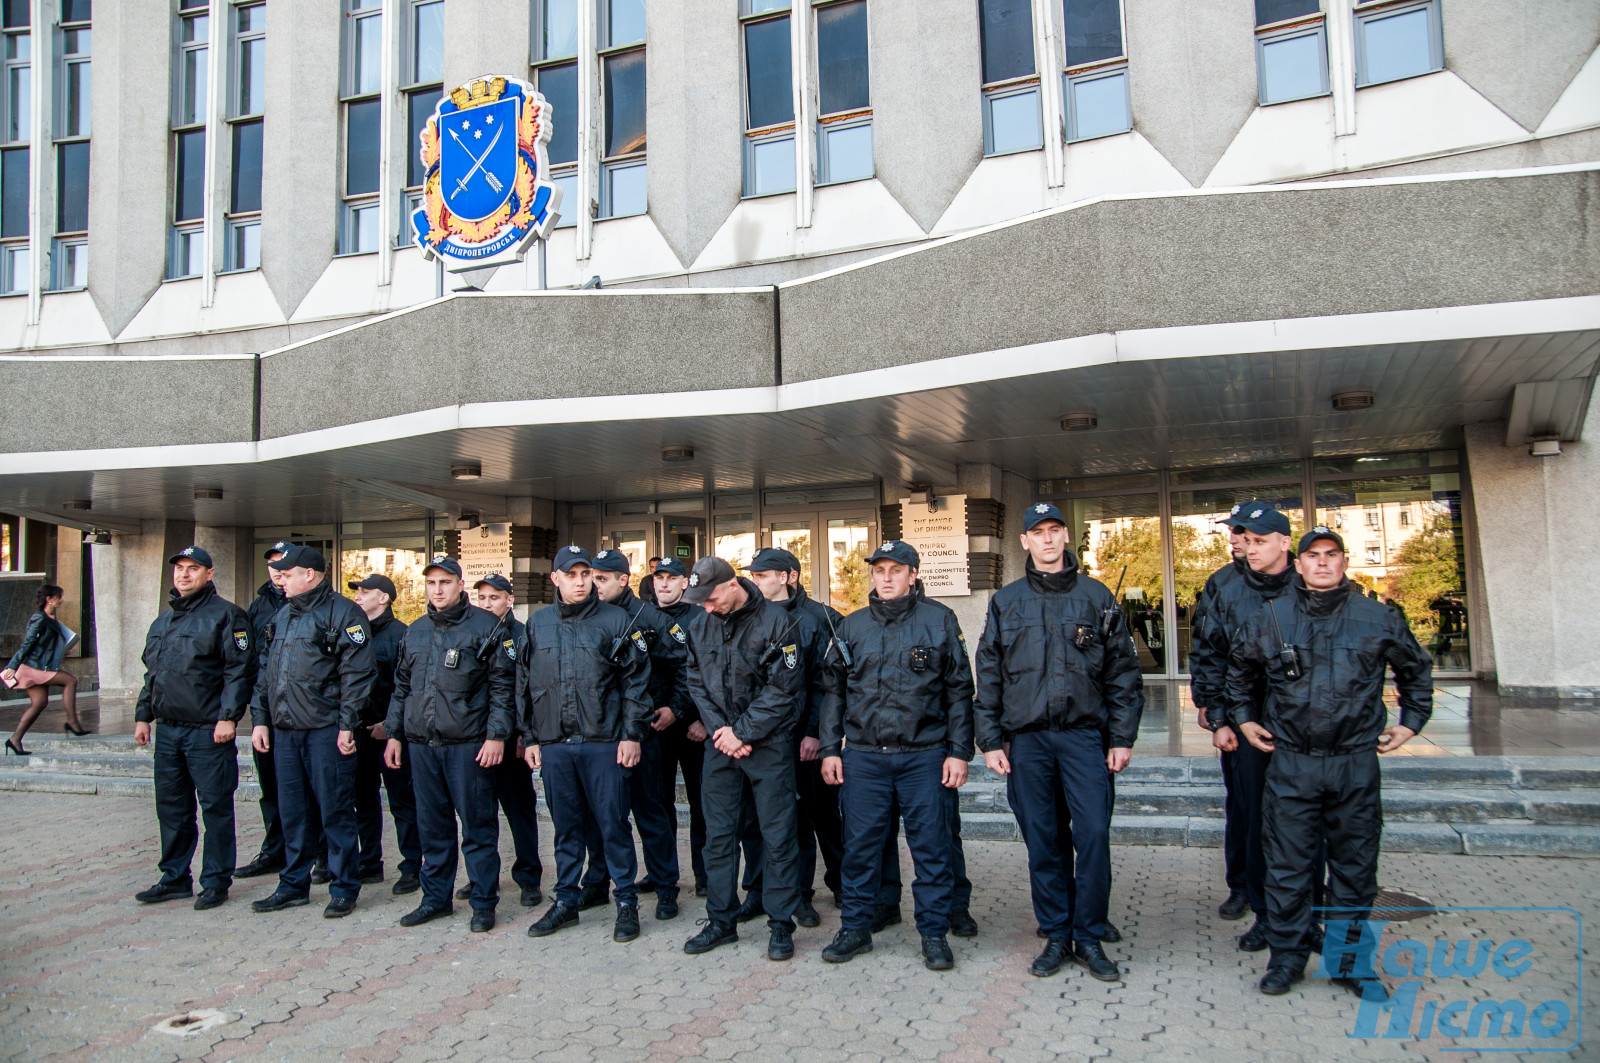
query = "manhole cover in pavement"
x=1395 y=906
x=189 y=1023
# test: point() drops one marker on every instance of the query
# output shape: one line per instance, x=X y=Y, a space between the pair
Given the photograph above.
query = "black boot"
x=261 y=865
x=1254 y=939
x=847 y=945
x=936 y=954
x=594 y=897
x=780 y=944
x=884 y=917
x=406 y=884
x=806 y=913
x=750 y=909
x=666 y=903
x=712 y=935
x=1092 y=955
x=1279 y=977
x=627 y=925
x=962 y=925
x=1235 y=906
x=1056 y=951
x=558 y=917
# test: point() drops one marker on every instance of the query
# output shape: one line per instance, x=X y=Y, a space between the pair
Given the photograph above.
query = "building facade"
x=1144 y=258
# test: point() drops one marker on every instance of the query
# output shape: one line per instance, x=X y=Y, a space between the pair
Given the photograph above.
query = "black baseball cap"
x=445 y=564
x=897 y=551
x=495 y=580
x=374 y=582
x=568 y=556
x=611 y=561
x=279 y=547
x=1261 y=518
x=773 y=559
x=1321 y=531
x=192 y=553
x=1040 y=512
x=672 y=566
x=709 y=574
x=1238 y=507
x=300 y=556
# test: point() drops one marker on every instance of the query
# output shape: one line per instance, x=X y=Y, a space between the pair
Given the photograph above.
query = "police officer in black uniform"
x=745 y=673
x=1056 y=667
x=1265 y=575
x=375 y=595
x=583 y=697
x=683 y=742
x=269 y=599
x=513 y=779
x=314 y=679
x=654 y=817
x=899 y=692
x=1321 y=653
x=453 y=705
x=200 y=666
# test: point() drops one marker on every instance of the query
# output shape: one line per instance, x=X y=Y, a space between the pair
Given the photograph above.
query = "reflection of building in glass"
x=403 y=566
x=848 y=583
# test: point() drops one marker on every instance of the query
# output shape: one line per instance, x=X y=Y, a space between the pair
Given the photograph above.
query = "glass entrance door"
x=637 y=542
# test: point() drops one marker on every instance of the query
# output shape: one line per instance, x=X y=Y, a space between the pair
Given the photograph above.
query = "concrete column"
x=69 y=577
x=175 y=535
x=128 y=186
x=230 y=551
x=1535 y=517
x=127 y=599
x=485 y=37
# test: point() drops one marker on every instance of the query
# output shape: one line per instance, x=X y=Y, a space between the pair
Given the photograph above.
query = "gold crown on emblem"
x=484 y=90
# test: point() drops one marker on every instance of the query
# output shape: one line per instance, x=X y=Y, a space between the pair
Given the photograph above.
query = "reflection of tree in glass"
x=798 y=544
x=1425 y=568
x=1195 y=557
x=851 y=581
x=404 y=567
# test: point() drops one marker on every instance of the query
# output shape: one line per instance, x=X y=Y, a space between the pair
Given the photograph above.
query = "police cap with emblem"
x=773 y=559
x=709 y=574
x=495 y=580
x=568 y=556
x=898 y=552
x=192 y=553
x=444 y=564
x=1039 y=513
x=300 y=556
x=1321 y=531
x=1261 y=519
x=672 y=567
x=611 y=561
x=279 y=547
x=374 y=582
x=1238 y=507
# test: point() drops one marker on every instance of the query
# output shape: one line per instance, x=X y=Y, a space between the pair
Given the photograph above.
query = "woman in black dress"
x=35 y=667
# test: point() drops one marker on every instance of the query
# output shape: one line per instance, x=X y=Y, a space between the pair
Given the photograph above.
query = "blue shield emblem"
x=478 y=158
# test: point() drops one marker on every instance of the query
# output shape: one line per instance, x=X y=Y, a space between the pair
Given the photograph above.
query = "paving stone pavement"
x=85 y=971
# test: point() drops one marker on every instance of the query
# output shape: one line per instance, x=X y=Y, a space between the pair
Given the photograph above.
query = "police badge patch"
x=357 y=633
x=241 y=639
x=791 y=656
x=677 y=632
x=510 y=648
x=638 y=640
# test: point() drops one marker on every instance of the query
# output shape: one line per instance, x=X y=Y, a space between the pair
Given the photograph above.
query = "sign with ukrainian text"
x=485 y=197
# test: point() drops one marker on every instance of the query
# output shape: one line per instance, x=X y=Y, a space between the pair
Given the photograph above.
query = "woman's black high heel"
x=12 y=747
x=71 y=730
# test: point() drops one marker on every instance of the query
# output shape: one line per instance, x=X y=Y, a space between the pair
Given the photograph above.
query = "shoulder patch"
x=676 y=632
x=962 y=638
x=639 y=641
x=241 y=639
x=791 y=656
x=510 y=646
x=357 y=633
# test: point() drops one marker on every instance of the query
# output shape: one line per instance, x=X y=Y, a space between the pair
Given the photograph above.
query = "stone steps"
x=1544 y=806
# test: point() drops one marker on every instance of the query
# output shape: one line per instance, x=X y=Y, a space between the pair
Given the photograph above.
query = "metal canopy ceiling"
x=1175 y=413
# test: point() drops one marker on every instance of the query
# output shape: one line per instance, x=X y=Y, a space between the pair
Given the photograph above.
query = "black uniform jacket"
x=386 y=635
x=453 y=681
x=1047 y=661
x=667 y=651
x=1227 y=606
x=319 y=668
x=1343 y=641
x=41 y=642
x=269 y=599
x=745 y=670
x=908 y=686
x=199 y=662
x=818 y=628
x=581 y=677
x=677 y=617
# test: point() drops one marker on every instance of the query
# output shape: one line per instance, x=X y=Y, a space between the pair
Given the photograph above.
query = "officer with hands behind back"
x=683 y=741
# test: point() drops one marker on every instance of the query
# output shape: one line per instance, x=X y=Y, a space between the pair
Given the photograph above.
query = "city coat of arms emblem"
x=485 y=196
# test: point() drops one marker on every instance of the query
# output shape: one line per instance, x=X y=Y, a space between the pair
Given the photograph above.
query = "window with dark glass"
x=1096 y=84
x=421 y=87
x=16 y=101
x=362 y=80
x=190 y=111
x=769 y=156
x=622 y=99
x=553 y=52
x=1011 y=115
x=246 y=102
x=844 y=93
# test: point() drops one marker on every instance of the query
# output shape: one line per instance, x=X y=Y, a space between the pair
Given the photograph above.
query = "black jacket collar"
x=1321 y=603
x=451 y=614
x=1054 y=582
x=895 y=608
x=385 y=618
x=272 y=593
x=753 y=605
x=1265 y=584
x=581 y=611
x=312 y=598
x=183 y=603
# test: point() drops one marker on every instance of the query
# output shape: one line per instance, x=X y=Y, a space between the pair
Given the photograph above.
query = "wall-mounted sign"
x=485 y=551
x=940 y=539
x=681 y=551
x=486 y=197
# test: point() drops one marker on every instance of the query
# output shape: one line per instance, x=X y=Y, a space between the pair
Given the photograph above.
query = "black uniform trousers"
x=820 y=828
x=769 y=771
x=1246 y=793
x=190 y=765
x=1069 y=863
x=1235 y=852
x=1312 y=801
x=519 y=803
x=657 y=823
x=583 y=781
x=316 y=783
x=878 y=789
x=677 y=750
x=271 y=818
x=452 y=786
x=890 y=888
x=371 y=774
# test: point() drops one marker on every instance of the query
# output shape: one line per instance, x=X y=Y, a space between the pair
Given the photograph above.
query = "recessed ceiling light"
x=211 y=493
x=1079 y=422
x=1345 y=401
x=466 y=470
x=677 y=452
x=77 y=503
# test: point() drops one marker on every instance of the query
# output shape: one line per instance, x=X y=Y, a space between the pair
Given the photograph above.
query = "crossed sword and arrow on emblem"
x=477 y=164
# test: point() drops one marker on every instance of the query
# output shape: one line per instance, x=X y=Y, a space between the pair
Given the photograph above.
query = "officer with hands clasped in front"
x=1321 y=654
x=200 y=665
x=1056 y=672
x=315 y=676
x=582 y=694
x=453 y=705
x=683 y=742
x=899 y=700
